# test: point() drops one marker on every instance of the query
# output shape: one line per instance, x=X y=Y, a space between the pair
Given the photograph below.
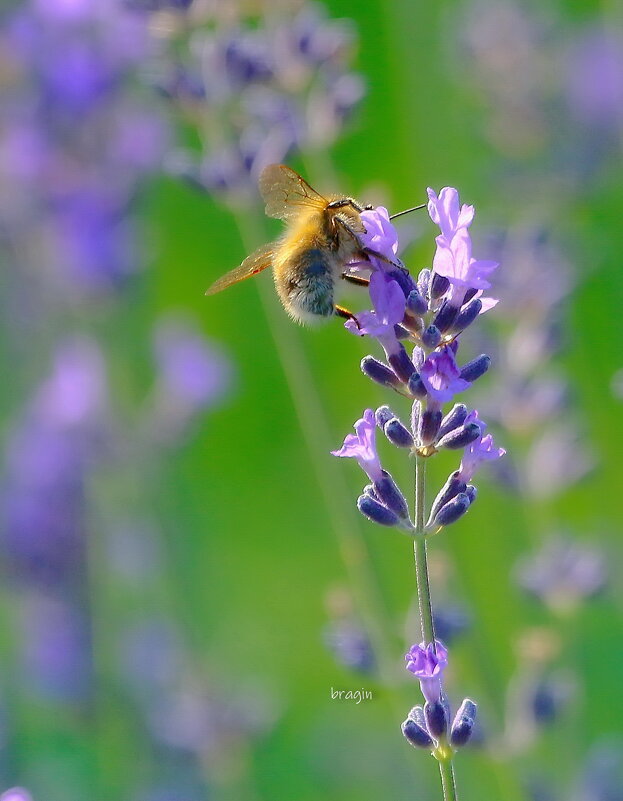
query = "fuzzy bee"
x=321 y=239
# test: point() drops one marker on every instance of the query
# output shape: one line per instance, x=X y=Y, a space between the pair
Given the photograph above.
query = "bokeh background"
x=185 y=577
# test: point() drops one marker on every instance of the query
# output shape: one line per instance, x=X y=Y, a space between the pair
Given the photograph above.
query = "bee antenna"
x=407 y=211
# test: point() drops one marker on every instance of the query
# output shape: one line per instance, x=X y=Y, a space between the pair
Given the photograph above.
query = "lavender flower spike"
x=428 y=664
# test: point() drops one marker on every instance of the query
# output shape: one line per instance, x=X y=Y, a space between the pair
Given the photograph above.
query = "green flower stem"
x=448 y=784
x=443 y=754
x=419 y=551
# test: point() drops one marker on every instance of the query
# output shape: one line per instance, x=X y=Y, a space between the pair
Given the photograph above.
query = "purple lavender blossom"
x=483 y=450
x=362 y=446
x=427 y=663
x=381 y=235
x=389 y=305
x=441 y=376
x=444 y=211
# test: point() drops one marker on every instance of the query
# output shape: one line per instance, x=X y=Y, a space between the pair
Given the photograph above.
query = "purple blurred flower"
x=362 y=446
x=480 y=451
x=16 y=794
x=427 y=663
x=191 y=370
x=595 y=77
x=563 y=573
x=441 y=376
x=55 y=647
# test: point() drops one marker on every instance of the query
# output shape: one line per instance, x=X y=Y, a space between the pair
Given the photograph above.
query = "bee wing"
x=284 y=192
x=252 y=265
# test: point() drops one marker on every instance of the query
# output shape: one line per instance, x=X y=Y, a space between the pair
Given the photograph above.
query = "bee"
x=322 y=238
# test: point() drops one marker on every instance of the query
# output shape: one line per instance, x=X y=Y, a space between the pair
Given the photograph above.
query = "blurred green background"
x=252 y=562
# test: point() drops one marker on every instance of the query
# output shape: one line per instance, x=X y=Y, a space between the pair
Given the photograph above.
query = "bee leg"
x=347 y=315
x=381 y=257
x=368 y=251
x=360 y=280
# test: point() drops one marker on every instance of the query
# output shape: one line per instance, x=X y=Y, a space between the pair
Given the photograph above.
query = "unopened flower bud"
x=453 y=419
x=401 y=364
x=439 y=285
x=416 y=386
x=388 y=493
x=428 y=426
x=383 y=415
x=375 y=511
x=471 y=493
x=450 y=490
x=475 y=368
x=466 y=316
x=379 y=372
x=445 y=317
x=398 y=434
x=460 y=437
x=452 y=511
x=431 y=336
x=423 y=282
x=416 y=303
x=416 y=734
x=436 y=718
x=463 y=723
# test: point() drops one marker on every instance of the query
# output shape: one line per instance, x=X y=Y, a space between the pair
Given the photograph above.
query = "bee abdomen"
x=310 y=284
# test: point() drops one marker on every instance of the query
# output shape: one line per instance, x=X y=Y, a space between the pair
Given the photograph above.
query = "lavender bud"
x=436 y=718
x=375 y=511
x=417 y=716
x=404 y=280
x=445 y=317
x=401 y=332
x=416 y=734
x=477 y=367
x=453 y=419
x=471 y=493
x=416 y=386
x=369 y=490
x=402 y=364
x=467 y=315
x=463 y=723
x=419 y=357
x=423 y=283
x=379 y=372
x=439 y=285
x=383 y=415
x=469 y=295
x=450 y=489
x=460 y=437
x=398 y=434
x=416 y=303
x=389 y=494
x=429 y=423
x=431 y=336
x=452 y=511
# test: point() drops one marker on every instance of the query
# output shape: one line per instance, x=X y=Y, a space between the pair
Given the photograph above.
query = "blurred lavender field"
x=185 y=575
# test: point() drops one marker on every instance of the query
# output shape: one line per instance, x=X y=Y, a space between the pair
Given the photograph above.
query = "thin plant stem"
x=419 y=552
x=448 y=784
x=444 y=752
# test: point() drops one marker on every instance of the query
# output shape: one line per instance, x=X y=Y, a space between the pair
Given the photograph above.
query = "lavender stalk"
x=431 y=313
